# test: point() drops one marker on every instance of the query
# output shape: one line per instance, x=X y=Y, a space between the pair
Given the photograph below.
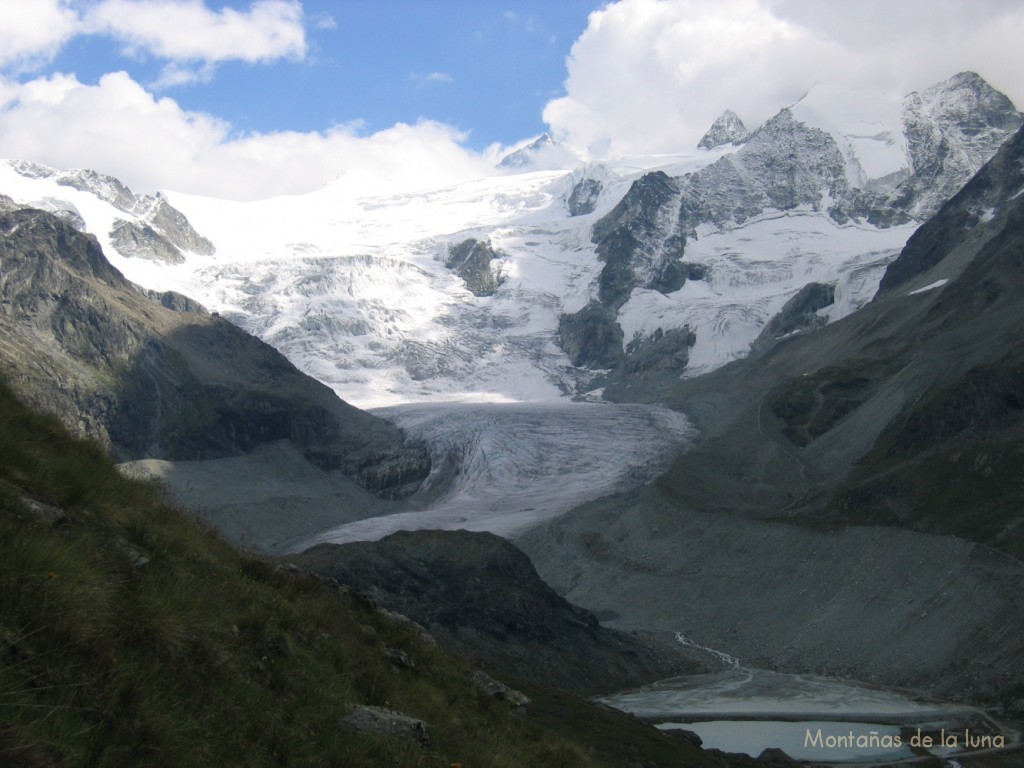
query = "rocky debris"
x=584 y=196
x=498 y=690
x=727 y=129
x=471 y=260
x=135 y=557
x=7 y=204
x=399 y=658
x=480 y=596
x=367 y=719
x=400 y=618
x=46 y=513
x=176 y=301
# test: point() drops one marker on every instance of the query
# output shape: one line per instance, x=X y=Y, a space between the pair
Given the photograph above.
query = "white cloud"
x=187 y=30
x=32 y=32
x=175 y=74
x=431 y=78
x=121 y=129
x=651 y=75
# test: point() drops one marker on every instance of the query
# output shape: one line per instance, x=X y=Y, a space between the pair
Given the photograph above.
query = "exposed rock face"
x=635 y=244
x=787 y=164
x=591 y=337
x=172 y=223
x=727 y=129
x=638 y=250
x=143 y=242
x=584 y=197
x=855 y=488
x=952 y=129
x=104 y=187
x=663 y=351
x=471 y=260
x=478 y=594
x=799 y=314
x=158 y=377
x=499 y=690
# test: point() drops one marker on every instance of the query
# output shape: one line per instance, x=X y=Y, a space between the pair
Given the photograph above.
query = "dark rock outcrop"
x=173 y=224
x=798 y=314
x=471 y=260
x=591 y=337
x=661 y=352
x=141 y=241
x=478 y=594
x=633 y=243
x=584 y=196
x=160 y=378
x=366 y=719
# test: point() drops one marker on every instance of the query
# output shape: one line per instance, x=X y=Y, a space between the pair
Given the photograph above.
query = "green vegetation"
x=131 y=635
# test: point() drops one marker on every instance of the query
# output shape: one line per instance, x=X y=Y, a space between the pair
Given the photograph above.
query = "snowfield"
x=354 y=290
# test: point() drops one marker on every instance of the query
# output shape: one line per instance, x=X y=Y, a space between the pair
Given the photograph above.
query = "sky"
x=255 y=98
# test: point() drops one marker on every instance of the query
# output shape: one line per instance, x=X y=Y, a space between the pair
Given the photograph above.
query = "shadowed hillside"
x=133 y=636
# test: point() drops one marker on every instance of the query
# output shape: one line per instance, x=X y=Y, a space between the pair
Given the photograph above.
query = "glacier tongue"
x=507 y=467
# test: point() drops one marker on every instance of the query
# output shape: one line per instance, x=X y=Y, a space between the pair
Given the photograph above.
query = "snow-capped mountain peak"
x=867 y=127
x=538 y=284
x=727 y=129
x=541 y=154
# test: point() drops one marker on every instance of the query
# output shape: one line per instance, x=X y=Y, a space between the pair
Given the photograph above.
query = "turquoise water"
x=816 y=740
x=808 y=717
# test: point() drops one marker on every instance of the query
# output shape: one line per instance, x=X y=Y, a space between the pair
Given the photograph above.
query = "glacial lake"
x=808 y=717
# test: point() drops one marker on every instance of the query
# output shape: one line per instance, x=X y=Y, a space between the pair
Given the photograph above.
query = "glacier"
x=351 y=284
x=354 y=290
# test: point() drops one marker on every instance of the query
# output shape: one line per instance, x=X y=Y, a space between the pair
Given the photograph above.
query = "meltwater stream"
x=505 y=467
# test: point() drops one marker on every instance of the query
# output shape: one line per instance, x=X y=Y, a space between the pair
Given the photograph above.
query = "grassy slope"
x=208 y=656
